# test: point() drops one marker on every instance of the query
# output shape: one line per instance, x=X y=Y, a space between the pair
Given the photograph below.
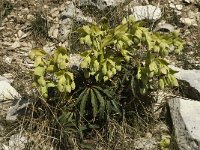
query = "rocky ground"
x=45 y=24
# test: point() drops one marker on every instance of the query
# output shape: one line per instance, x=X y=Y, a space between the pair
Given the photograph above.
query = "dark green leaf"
x=101 y=101
x=94 y=103
x=83 y=102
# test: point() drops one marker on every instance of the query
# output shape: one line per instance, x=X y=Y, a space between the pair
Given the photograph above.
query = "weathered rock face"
x=16 y=142
x=146 y=12
x=7 y=92
x=74 y=13
x=192 y=77
x=186 y=121
x=145 y=144
x=11 y=103
x=18 y=108
x=101 y=4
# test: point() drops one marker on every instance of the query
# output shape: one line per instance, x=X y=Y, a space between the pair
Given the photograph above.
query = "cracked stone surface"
x=186 y=122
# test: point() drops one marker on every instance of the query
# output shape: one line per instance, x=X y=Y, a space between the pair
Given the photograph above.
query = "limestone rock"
x=74 y=13
x=15 y=45
x=101 y=4
x=74 y=60
x=18 y=108
x=188 y=1
x=65 y=29
x=49 y=47
x=145 y=144
x=192 y=77
x=189 y=21
x=165 y=27
x=146 y=12
x=192 y=1
x=186 y=123
x=17 y=142
x=53 y=31
x=7 y=92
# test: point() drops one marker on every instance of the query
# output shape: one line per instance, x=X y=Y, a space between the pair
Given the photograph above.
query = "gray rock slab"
x=18 y=108
x=17 y=142
x=192 y=77
x=11 y=103
x=145 y=144
x=166 y=27
x=101 y=4
x=146 y=12
x=7 y=92
x=72 y=12
x=185 y=116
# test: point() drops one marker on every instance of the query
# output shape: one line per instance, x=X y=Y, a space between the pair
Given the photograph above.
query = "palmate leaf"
x=105 y=91
x=101 y=101
x=108 y=107
x=116 y=108
x=84 y=102
x=133 y=85
x=94 y=103
x=81 y=95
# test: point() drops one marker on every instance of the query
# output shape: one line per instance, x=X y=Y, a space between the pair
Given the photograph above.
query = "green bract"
x=129 y=48
x=130 y=42
x=52 y=71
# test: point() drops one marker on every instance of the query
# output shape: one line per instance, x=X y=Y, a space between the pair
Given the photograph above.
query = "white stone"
x=101 y=4
x=191 y=76
x=179 y=7
x=7 y=92
x=189 y=1
x=17 y=142
x=186 y=121
x=8 y=76
x=189 y=21
x=179 y=13
x=30 y=17
x=49 y=47
x=74 y=60
x=17 y=109
x=5 y=147
x=147 y=12
x=53 y=32
x=172 y=5
x=166 y=26
x=2 y=78
x=20 y=33
x=54 y=12
x=74 y=13
x=16 y=44
x=7 y=60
